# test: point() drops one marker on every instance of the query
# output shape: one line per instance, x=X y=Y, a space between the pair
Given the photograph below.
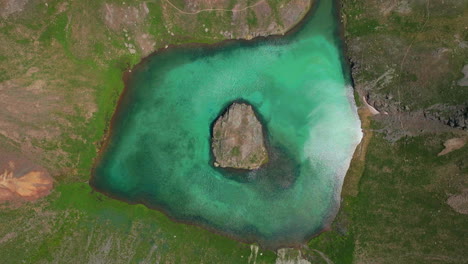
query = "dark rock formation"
x=238 y=139
x=455 y=116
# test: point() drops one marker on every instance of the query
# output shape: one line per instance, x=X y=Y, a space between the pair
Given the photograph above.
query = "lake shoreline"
x=127 y=74
x=127 y=79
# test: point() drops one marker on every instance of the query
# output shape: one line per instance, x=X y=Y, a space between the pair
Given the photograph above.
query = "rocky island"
x=237 y=140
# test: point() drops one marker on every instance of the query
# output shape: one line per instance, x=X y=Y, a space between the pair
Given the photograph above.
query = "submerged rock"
x=238 y=139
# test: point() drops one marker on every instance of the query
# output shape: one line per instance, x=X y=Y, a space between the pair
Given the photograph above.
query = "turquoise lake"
x=158 y=152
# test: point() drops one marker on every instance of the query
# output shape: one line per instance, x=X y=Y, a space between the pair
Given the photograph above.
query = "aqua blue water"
x=159 y=150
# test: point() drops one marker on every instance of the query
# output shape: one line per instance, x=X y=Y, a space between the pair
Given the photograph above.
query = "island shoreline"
x=127 y=77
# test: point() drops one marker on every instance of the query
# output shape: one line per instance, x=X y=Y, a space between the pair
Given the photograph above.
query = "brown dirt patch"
x=452 y=144
x=21 y=180
x=196 y=5
x=146 y=43
x=118 y=17
x=8 y=7
x=292 y=11
x=459 y=202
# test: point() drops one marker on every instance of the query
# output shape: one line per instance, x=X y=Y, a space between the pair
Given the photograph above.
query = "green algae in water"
x=159 y=150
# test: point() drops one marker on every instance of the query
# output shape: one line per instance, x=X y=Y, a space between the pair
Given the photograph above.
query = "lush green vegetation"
x=396 y=214
x=76 y=223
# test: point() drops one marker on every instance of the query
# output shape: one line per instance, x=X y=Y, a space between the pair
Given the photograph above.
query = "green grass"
x=75 y=51
x=400 y=214
x=235 y=151
x=55 y=30
x=75 y=223
x=252 y=19
x=364 y=27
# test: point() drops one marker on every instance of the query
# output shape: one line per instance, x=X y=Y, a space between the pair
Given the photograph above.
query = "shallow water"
x=159 y=150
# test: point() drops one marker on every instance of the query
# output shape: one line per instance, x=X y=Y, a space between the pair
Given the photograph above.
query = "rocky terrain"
x=238 y=139
x=408 y=60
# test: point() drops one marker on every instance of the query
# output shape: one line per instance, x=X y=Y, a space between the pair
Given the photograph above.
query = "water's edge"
x=127 y=76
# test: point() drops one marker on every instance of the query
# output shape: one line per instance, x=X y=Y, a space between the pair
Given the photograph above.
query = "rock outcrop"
x=238 y=139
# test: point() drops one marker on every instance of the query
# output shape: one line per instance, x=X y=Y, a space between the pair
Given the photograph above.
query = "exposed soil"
x=21 y=180
x=118 y=17
x=292 y=11
x=459 y=202
x=453 y=144
x=464 y=81
x=8 y=7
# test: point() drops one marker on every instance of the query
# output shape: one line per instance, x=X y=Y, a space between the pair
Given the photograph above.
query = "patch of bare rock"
x=238 y=139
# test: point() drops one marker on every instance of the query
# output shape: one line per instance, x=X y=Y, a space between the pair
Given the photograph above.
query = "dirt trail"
x=214 y=9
